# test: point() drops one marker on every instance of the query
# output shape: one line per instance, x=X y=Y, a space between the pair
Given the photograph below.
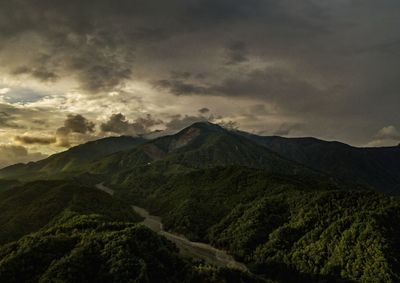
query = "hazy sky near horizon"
x=73 y=70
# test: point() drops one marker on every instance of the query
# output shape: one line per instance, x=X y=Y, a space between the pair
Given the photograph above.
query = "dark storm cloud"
x=236 y=52
x=204 y=110
x=276 y=86
x=40 y=73
x=320 y=61
x=76 y=126
x=95 y=41
x=180 y=87
x=35 y=140
x=119 y=124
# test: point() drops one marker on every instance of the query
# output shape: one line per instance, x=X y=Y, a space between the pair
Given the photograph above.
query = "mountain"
x=288 y=221
x=57 y=231
x=71 y=161
x=286 y=228
x=191 y=201
x=202 y=145
x=6 y=184
x=32 y=206
x=378 y=168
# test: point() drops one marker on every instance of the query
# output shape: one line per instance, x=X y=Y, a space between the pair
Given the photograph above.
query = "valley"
x=224 y=205
x=188 y=248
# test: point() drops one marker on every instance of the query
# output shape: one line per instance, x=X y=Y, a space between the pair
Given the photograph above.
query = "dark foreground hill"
x=287 y=228
x=30 y=207
x=58 y=232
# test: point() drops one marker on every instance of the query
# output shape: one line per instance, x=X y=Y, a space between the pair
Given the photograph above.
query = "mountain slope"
x=55 y=231
x=378 y=168
x=288 y=228
x=30 y=207
x=191 y=201
x=202 y=145
x=89 y=249
x=205 y=145
x=71 y=161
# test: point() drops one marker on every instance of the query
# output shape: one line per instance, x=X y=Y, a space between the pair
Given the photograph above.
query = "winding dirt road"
x=194 y=249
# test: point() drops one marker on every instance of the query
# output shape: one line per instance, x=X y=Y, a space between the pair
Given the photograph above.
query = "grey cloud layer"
x=35 y=140
x=327 y=63
x=74 y=125
x=118 y=124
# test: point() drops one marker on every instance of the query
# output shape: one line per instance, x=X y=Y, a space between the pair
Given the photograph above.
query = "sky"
x=73 y=71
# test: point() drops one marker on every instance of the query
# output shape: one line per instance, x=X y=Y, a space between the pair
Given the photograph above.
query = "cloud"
x=180 y=87
x=75 y=126
x=286 y=129
x=236 y=53
x=273 y=85
x=11 y=154
x=319 y=62
x=204 y=110
x=388 y=133
x=99 y=46
x=258 y=110
x=7 y=121
x=35 y=140
x=41 y=73
x=387 y=136
x=4 y=90
x=78 y=124
x=119 y=124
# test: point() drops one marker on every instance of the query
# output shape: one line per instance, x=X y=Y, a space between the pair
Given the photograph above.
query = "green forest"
x=284 y=220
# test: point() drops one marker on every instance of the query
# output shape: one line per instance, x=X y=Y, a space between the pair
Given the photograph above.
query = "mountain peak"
x=205 y=125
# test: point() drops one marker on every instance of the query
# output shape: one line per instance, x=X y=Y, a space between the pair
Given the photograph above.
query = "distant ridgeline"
x=294 y=210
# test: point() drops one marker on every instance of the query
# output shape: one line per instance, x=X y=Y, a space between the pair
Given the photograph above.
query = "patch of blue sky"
x=19 y=95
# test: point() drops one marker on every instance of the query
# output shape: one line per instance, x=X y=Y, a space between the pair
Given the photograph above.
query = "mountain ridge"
x=205 y=144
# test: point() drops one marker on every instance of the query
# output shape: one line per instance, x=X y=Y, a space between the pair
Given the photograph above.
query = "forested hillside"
x=71 y=162
x=30 y=207
x=378 y=168
x=290 y=229
x=288 y=221
x=55 y=231
x=91 y=249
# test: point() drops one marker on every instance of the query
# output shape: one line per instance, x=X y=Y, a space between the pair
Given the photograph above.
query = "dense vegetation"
x=55 y=231
x=283 y=227
x=340 y=235
x=284 y=220
x=71 y=162
x=28 y=208
x=378 y=167
x=90 y=249
x=204 y=145
x=6 y=184
x=201 y=146
x=190 y=201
